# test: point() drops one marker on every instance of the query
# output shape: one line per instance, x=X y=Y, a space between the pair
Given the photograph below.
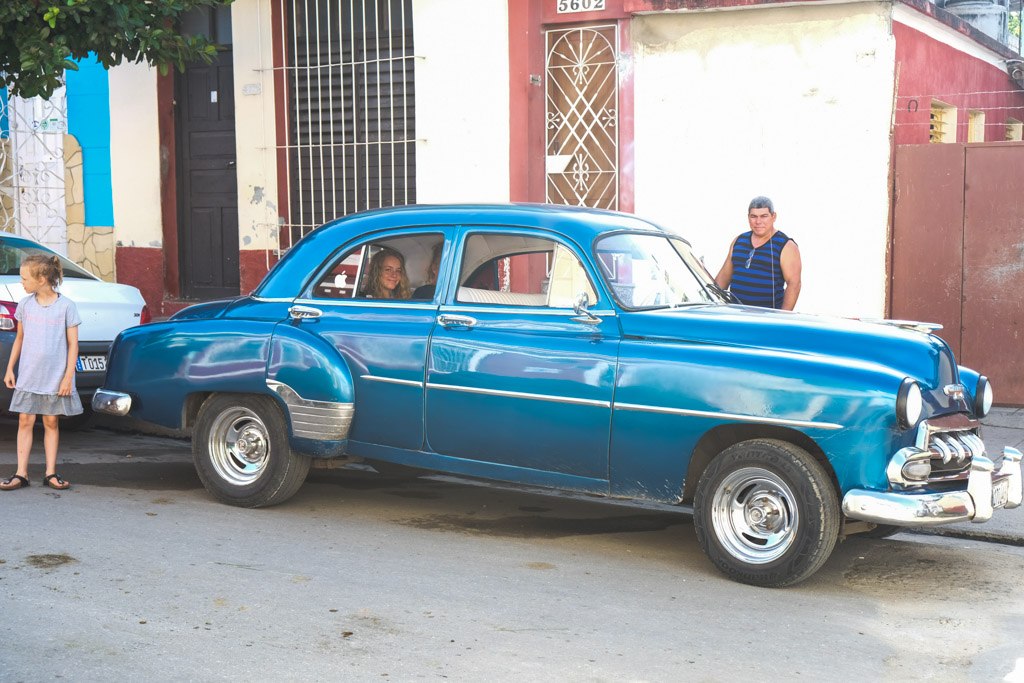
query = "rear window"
x=14 y=251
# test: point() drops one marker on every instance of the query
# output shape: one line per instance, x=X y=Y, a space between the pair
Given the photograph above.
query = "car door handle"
x=448 y=321
x=304 y=312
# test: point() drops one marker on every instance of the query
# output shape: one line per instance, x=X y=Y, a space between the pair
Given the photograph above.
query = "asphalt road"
x=137 y=574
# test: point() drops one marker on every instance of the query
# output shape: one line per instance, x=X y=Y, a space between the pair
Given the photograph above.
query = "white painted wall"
x=135 y=156
x=462 y=100
x=793 y=103
x=255 y=133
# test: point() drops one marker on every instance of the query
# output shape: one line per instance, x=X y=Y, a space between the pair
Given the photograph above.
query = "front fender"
x=671 y=395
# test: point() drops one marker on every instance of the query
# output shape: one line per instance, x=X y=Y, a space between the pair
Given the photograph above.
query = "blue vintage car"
x=577 y=350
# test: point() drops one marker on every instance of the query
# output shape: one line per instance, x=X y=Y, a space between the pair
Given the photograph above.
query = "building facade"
x=678 y=110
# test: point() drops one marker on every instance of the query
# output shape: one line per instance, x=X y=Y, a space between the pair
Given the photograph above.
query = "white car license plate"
x=1000 y=492
x=91 y=364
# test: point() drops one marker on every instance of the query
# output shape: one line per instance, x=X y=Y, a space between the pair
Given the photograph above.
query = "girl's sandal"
x=55 y=482
x=14 y=482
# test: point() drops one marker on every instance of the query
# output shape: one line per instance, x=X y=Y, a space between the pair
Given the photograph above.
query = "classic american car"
x=576 y=350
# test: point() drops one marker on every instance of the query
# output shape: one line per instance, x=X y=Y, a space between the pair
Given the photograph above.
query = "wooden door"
x=208 y=186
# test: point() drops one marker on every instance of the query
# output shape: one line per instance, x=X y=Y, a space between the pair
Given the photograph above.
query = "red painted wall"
x=929 y=69
x=252 y=266
x=143 y=267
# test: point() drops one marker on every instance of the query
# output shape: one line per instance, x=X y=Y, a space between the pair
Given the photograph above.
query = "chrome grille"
x=952 y=453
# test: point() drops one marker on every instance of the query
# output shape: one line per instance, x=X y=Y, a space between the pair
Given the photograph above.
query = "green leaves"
x=39 y=39
x=50 y=16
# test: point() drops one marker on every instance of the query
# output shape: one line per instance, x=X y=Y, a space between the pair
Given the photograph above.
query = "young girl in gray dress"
x=47 y=345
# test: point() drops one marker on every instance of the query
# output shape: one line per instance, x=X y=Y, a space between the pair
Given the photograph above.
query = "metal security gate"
x=350 y=107
x=582 y=162
x=958 y=253
x=32 y=187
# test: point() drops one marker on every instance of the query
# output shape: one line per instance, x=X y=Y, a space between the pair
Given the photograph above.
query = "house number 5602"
x=569 y=6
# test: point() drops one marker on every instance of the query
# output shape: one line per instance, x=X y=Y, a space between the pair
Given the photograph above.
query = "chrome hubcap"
x=239 y=446
x=754 y=515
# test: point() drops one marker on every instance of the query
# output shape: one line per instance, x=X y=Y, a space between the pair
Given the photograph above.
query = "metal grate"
x=942 y=123
x=32 y=190
x=350 y=108
x=582 y=117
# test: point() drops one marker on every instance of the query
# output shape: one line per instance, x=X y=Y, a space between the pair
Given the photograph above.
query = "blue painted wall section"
x=5 y=131
x=88 y=97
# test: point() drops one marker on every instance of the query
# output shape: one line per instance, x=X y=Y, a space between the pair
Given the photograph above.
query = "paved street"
x=136 y=574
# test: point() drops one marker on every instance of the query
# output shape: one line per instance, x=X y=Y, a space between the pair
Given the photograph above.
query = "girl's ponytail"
x=47 y=266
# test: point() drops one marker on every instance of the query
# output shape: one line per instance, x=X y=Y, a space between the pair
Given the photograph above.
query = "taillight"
x=145 y=317
x=7 y=320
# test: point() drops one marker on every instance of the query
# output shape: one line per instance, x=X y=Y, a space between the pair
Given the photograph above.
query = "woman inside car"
x=386 y=278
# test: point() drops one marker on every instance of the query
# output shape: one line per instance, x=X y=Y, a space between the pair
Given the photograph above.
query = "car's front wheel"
x=766 y=513
x=241 y=452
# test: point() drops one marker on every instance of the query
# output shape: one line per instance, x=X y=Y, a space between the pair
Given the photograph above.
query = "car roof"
x=570 y=219
x=579 y=224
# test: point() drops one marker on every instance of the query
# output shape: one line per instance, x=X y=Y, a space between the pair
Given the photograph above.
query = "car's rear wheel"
x=241 y=452
x=766 y=513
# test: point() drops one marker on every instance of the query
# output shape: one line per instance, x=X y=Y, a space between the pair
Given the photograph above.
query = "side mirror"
x=579 y=307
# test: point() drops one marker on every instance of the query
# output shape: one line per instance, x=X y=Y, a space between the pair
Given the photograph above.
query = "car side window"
x=521 y=270
x=395 y=267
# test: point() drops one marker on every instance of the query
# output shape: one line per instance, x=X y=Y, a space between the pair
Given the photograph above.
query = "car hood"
x=106 y=307
x=913 y=353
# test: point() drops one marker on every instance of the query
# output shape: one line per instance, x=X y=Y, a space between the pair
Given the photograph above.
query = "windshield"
x=13 y=251
x=654 y=271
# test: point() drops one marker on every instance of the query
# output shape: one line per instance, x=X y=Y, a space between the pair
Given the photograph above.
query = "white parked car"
x=106 y=309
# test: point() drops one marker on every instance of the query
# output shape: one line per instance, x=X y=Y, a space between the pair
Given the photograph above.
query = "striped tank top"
x=757 y=273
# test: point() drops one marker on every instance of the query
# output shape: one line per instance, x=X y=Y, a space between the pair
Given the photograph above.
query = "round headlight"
x=908 y=403
x=982 y=397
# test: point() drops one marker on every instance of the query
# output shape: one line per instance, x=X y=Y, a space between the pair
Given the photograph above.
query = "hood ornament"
x=954 y=391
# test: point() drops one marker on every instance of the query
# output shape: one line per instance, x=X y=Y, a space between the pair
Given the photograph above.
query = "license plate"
x=91 y=364
x=1000 y=492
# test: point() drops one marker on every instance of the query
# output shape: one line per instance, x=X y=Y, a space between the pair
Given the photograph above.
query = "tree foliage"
x=39 y=39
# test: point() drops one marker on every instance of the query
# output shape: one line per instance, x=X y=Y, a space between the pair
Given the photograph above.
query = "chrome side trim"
x=319 y=420
x=463 y=307
x=384 y=303
x=111 y=402
x=728 y=416
x=272 y=299
x=520 y=394
x=392 y=380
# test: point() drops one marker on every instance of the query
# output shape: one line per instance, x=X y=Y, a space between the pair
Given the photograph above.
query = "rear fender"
x=161 y=364
x=313 y=383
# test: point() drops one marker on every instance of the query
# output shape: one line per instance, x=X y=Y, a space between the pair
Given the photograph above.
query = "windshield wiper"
x=725 y=293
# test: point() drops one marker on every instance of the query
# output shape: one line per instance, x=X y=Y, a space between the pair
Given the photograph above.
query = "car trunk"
x=106 y=308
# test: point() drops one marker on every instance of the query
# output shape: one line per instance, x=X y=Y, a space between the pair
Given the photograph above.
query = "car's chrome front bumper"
x=984 y=494
x=111 y=402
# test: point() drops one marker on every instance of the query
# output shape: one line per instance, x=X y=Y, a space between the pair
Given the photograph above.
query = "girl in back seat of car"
x=47 y=346
x=386 y=277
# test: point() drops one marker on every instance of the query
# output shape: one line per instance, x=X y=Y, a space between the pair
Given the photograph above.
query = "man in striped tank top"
x=763 y=267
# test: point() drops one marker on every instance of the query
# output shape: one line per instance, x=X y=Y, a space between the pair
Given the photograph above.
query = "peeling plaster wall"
x=462 y=100
x=793 y=103
x=135 y=156
x=255 y=139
